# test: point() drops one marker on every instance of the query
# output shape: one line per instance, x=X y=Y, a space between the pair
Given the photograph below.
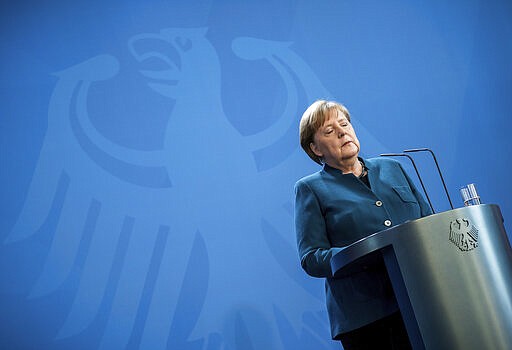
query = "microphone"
x=417 y=174
x=438 y=169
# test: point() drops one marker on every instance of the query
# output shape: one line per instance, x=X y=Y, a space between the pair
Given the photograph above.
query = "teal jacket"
x=333 y=210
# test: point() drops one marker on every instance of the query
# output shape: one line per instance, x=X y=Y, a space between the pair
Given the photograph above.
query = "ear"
x=315 y=150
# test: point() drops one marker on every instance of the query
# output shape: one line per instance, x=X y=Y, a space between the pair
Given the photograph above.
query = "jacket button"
x=378 y=203
x=387 y=223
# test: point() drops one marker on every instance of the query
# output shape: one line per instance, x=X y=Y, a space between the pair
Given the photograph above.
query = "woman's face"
x=335 y=141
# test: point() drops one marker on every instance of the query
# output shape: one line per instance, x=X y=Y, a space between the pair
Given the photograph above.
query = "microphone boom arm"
x=437 y=166
x=417 y=173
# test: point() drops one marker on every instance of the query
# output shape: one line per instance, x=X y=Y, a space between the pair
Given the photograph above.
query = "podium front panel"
x=452 y=272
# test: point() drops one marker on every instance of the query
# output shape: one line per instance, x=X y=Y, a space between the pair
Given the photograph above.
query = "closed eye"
x=343 y=122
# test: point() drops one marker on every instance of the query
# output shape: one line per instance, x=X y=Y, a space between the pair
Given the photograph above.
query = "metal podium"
x=452 y=277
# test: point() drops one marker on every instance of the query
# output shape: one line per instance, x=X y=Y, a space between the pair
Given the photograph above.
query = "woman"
x=349 y=199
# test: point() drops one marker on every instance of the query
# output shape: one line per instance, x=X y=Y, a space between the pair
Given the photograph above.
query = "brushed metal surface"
x=459 y=299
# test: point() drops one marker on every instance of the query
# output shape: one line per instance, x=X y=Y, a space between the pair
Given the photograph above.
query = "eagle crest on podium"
x=463 y=234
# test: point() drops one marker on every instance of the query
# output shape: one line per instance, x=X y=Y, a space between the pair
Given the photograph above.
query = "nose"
x=341 y=132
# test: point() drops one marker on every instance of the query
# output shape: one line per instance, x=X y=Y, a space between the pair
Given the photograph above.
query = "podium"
x=451 y=273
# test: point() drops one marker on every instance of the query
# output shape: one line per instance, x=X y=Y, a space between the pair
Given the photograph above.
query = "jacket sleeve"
x=315 y=250
x=424 y=206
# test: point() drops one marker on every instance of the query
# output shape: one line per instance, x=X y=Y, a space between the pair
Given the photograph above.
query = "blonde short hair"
x=312 y=119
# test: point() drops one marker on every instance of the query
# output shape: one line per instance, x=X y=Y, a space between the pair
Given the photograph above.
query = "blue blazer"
x=333 y=210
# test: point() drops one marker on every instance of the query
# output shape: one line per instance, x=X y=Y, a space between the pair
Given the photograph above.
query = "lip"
x=346 y=143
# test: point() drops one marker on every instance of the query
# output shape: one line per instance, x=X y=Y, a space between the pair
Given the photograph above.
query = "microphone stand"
x=417 y=173
x=438 y=169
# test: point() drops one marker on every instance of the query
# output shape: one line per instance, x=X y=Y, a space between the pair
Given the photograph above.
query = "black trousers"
x=386 y=333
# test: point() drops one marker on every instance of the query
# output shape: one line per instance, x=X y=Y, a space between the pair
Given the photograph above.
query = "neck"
x=350 y=166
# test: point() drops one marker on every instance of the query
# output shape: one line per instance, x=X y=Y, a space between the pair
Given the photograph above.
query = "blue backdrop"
x=149 y=149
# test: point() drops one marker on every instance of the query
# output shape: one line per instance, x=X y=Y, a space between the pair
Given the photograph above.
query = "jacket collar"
x=337 y=172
